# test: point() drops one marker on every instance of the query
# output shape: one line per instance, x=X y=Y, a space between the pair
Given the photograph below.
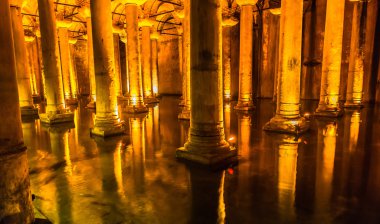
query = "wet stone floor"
x=329 y=175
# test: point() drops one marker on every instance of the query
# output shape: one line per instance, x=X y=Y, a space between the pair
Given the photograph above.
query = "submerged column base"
x=132 y=109
x=207 y=155
x=107 y=128
x=57 y=117
x=287 y=125
x=71 y=101
x=184 y=115
x=27 y=112
x=324 y=111
x=150 y=100
x=353 y=105
x=244 y=106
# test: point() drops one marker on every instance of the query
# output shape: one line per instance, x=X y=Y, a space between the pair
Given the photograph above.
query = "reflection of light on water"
x=222 y=205
x=69 y=167
x=118 y=169
x=354 y=130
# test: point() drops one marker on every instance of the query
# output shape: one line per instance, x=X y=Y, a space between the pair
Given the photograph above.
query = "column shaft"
x=226 y=63
x=206 y=143
x=15 y=204
x=354 y=95
x=332 y=57
x=245 y=62
x=288 y=117
x=154 y=66
x=117 y=78
x=107 y=119
x=55 y=108
x=134 y=67
x=146 y=54
x=181 y=70
x=73 y=73
x=91 y=66
x=23 y=75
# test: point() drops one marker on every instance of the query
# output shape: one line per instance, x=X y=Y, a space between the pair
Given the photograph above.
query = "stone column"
x=90 y=52
x=64 y=49
x=277 y=13
x=107 y=118
x=331 y=63
x=73 y=71
x=154 y=39
x=116 y=40
x=354 y=95
x=29 y=42
x=287 y=118
x=245 y=101
x=228 y=22
x=185 y=113
x=180 y=53
x=55 y=108
x=23 y=76
x=15 y=204
x=146 y=58
x=125 y=78
x=136 y=103
x=206 y=143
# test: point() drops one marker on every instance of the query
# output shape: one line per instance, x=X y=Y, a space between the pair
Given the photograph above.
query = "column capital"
x=246 y=2
x=134 y=2
x=275 y=11
x=179 y=13
x=146 y=23
x=63 y=23
x=29 y=36
x=155 y=35
x=229 y=21
x=116 y=28
x=85 y=11
x=73 y=40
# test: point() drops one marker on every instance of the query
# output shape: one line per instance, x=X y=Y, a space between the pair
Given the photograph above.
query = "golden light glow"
x=221 y=204
x=354 y=130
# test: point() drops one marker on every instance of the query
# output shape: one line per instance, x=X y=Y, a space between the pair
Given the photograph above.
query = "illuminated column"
x=136 y=104
x=354 y=95
x=180 y=53
x=107 y=118
x=277 y=63
x=73 y=72
x=64 y=49
x=332 y=57
x=245 y=101
x=186 y=39
x=15 y=204
x=154 y=39
x=206 y=143
x=55 y=108
x=90 y=52
x=116 y=40
x=30 y=65
x=287 y=118
x=23 y=76
x=226 y=46
x=287 y=174
x=146 y=58
x=125 y=78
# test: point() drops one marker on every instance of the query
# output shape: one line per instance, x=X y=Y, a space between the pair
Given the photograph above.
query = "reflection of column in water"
x=118 y=169
x=207 y=190
x=149 y=135
x=244 y=135
x=327 y=133
x=354 y=130
x=156 y=130
x=61 y=151
x=287 y=170
x=227 y=120
x=137 y=130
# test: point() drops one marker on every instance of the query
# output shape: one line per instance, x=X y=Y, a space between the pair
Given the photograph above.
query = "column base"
x=57 y=117
x=182 y=103
x=91 y=105
x=29 y=112
x=16 y=199
x=136 y=109
x=244 y=106
x=184 y=115
x=71 y=101
x=151 y=100
x=352 y=105
x=107 y=130
x=122 y=98
x=209 y=157
x=323 y=111
x=285 y=125
x=36 y=99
